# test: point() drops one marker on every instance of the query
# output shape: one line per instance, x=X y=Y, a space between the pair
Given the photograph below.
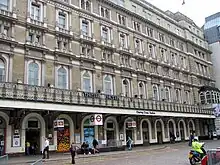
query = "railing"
x=22 y=92
x=4 y=160
x=38 y=162
x=213 y=157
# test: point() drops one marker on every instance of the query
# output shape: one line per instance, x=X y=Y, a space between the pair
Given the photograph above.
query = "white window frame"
x=135 y=23
x=41 y=10
x=66 y=19
x=143 y=91
x=108 y=33
x=140 y=50
x=158 y=96
x=91 y=8
x=121 y=17
x=91 y=80
x=89 y=26
x=167 y=89
x=67 y=77
x=9 y=6
x=105 y=8
x=104 y=87
x=125 y=38
x=8 y=71
x=129 y=87
x=152 y=54
x=39 y=73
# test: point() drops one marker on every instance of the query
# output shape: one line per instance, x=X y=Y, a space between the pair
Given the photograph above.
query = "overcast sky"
x=197 y=10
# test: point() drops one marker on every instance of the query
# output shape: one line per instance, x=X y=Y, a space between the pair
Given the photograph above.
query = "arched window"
x=167 y=94
x=87 y=82
x=208 y=97
x=217 y=97
x=126 y=87
x=62 y=78
x=108 y=85
x=155 y=93
x=202 y=98
x=33 y=74
x=141 y=89
x=2 y=71
x=187 y=97
x=177 y=95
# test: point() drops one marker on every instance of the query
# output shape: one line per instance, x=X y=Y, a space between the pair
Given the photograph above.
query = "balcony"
x=86 y=38
x=22 y=92
x=123 y=49
x=106 y=44
x=36 y=23
x=66 y=31
x=8 y=14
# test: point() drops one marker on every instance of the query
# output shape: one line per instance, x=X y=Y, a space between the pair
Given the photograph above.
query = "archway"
x=87 y=131
x=111 y=131
x=182 y=130
x=65 y=135
x=2 y=136
x=159 y=131
x=191 y=127
x=33 y=129
x=128 y=131
x=146 y=132
x=171 y=125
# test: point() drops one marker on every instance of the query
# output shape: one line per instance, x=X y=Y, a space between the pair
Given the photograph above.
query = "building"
x=135 y=65
x=212 y=35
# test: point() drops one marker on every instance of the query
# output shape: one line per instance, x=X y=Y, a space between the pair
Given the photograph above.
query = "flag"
x=183 y=2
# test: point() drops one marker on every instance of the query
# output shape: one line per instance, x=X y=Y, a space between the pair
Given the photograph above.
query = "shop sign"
x=146 y=112
x=16 y=141
x=131 y=124
x=96 y=119
x=58 y=124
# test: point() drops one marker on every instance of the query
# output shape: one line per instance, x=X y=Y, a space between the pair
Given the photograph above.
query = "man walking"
x=46 y=149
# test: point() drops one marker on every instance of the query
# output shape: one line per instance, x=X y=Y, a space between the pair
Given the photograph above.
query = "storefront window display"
x=89 y=133
x=63 y=138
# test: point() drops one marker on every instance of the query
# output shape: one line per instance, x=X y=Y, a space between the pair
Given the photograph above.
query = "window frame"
x=128 y=93
x=67 y=77
x=90 y=80
x=39 y=72
x=111 y=84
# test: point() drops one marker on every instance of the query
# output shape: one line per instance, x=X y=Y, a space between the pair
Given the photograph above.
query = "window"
x=125 y=60
x=108 y=87
x=137 y=26
x=154 y=68
x=104 y=12
x=6 y=30
x=150 y=32
x=86 y=50
x=62 y=20
x=161 y=37
x=105 y=34
x=163 y=55
x=141 y=89
x=2 y=71
x=123 y=40
x=177 y=95
x=173 y=58
x=208 y=97
x=167 y=94
x=87 y=81
x=86 y=5
x=33 y=74
x=31 y=37
x=155 y=93
x=35 y=12
x=121 y=20
x=187 y=100
x=138 y=46
x=172 y=42
x=85 y=28
x=62 y=78
x=107 y=56
x=151 y=50
x=126 y=87
x=202 y=98
x=4 y=4
x=181 y=46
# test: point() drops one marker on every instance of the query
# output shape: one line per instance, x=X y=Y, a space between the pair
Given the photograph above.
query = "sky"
x=197 y=10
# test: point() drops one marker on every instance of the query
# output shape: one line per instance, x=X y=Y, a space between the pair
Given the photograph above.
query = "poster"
x=63 y=140
x=89 y=134
x=16 y=141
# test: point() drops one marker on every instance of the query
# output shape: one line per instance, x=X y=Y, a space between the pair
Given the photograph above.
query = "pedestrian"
x=95 y=144
x=191 y=137
x=46 y=149
x=73 y=149
x=129 y=143
x=28 y=145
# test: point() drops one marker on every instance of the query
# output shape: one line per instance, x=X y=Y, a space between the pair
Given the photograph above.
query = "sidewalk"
x=65 y=156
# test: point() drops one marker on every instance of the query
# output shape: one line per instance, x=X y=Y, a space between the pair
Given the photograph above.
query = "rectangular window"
x=62 y=20
x=161 y=37
x=4 y=4
x=104 y=12
x=123 y=40
x=121 y=20
x=150 y=32
x=137 y=26
x=172 y=42
x=105 y=34
x=86 y=5
x=138 y=47
x=35 y=12
x=85 y=28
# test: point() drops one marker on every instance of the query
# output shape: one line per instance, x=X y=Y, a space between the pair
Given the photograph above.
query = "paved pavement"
x=167 y=154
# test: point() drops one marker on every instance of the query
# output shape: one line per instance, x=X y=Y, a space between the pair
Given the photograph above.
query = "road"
x=174 y=155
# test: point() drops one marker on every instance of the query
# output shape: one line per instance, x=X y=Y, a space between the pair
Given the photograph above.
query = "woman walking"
x=73 y=152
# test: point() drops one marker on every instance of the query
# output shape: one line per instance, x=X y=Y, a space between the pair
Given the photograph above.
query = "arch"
x=174 y=127
x=42 y=128
x=184 y=128
x=202 y=97
x=69 y=119
x=86 y=80
x=141 y=89
x=62 y=77
x=5 y=117
x=155 y=92
x=33 y=73
x=133 y=131
x=116 y=127
x=108 y=84
x=126 y=88
x=155 y=128
x=188 y=126
x=7 y=132
x=149 y=127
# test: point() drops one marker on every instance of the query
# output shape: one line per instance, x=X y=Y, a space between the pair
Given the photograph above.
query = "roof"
x=208 y=88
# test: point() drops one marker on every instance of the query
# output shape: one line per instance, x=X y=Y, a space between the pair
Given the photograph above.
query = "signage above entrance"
x=96 y=119
x=146 y=112
x=58 y=124
x=131 y=124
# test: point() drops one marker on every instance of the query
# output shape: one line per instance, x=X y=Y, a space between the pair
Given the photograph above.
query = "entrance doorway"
x=129 y=133
x=2 y=136
x=110 y=133
x=159 y=132
x=182 y=131
x=145 y=133
x=32 y=136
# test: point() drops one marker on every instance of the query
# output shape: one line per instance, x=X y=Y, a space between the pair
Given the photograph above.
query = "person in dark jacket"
x=95 y=144
x=73 y=152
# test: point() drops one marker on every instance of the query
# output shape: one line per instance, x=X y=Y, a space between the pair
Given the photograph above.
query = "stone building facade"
x=125 y=59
